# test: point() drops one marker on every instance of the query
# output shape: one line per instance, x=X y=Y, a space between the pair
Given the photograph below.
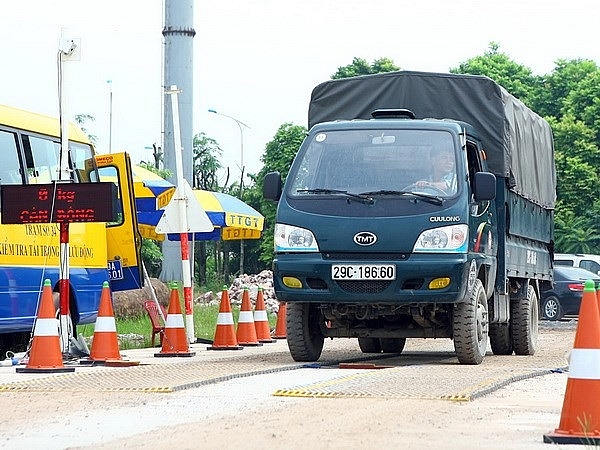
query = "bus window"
x=42 y=156
x=10 y=172
x=83 y=162
x=110 y=173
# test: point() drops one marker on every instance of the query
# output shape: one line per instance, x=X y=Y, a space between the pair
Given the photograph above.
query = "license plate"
x=115 y=270
x=363 y=272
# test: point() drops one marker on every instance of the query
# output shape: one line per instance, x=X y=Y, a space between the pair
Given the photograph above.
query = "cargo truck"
x=420 y=205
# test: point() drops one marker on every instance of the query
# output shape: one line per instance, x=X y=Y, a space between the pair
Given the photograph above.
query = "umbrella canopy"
x=152 y=193
x=232 y=218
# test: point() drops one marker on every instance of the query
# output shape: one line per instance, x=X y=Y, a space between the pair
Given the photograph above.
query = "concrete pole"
x=178 y=34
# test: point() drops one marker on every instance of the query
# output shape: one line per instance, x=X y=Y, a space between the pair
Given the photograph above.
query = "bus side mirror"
x=484 y=186
x=272 y=186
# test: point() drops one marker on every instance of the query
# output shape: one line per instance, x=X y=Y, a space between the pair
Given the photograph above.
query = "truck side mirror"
x=272 y=186
x=484 y=186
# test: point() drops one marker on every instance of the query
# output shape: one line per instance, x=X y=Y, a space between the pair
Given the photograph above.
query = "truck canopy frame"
x=518 y=142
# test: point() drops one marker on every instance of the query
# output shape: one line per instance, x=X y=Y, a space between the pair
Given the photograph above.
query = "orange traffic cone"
x=580 y=417
x=280 y=328
x=246 y=331
x=225 y=333
x=105 y=344
x=45 y=355
x=261 y=321
x=175 y=341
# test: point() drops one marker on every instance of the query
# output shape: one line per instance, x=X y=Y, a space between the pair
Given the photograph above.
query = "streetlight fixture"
x=240 y=124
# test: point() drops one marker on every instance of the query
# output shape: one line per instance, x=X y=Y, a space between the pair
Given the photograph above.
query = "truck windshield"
x=377 y=162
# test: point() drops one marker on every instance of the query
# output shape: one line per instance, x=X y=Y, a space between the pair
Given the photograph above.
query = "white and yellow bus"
x=30 y=253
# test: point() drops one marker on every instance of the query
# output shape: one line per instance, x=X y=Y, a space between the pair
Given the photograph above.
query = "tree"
x=278 y=156
x=515 y=78
x=360 y=66
x=551 y=97
x=207 y=153
x=81 y=120
x=568 y=99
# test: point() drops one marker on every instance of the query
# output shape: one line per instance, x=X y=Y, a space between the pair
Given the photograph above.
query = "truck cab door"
x=122 y=236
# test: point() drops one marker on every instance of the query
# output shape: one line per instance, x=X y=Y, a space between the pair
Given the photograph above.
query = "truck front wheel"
x=303 y=328
x=525 y=319
x=471 y=327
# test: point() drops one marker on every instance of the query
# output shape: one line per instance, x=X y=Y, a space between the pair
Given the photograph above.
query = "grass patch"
x=136 y=332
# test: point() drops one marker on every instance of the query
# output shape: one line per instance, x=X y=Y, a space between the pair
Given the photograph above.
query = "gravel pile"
x=263 y=280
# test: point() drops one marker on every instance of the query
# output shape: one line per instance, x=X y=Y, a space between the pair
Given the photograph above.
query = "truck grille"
x=363 y=287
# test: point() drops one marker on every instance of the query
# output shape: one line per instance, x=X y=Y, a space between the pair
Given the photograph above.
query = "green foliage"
x=568 y=98
x=152 y=257
x=81 y=120
x=278 y=156
x=360 y=66
x=550 y=99
x=515 y=78
x=206 y=162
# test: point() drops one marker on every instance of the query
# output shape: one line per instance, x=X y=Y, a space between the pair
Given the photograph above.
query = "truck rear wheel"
x=303 y=328
x=501 y=339
x=471 y=326
x=525 y=318
x=369 y=345
x=392 y=345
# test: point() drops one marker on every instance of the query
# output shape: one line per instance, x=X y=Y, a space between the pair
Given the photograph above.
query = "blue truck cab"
x=391 y=227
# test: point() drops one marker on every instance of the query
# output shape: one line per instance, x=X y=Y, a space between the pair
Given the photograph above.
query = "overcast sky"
x=258 y=60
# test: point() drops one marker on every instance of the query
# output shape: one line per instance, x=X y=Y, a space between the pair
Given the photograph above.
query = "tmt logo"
x=365 y=238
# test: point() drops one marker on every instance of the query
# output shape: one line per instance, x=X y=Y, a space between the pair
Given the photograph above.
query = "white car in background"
x=585 y=261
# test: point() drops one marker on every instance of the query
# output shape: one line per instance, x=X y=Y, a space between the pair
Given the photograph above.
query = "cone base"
x=44 y=370
x=250 y=344
x=230 y=347
x=267 y=341
x=183 y=354
x=108 y=362
x=558 y=438
x=279 y=337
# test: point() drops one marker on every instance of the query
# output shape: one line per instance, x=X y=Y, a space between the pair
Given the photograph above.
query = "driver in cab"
x=442 y=176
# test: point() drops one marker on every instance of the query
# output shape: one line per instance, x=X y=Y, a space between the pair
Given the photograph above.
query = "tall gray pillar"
x=178 y=34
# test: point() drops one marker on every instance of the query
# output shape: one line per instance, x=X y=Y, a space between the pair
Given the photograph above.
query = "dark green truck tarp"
x=518 y=142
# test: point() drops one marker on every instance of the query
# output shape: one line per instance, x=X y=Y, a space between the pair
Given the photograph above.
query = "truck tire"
x=471 y=326
x=392 y=345
x=303 y=328
x=501 y=339
x=369 y=345
x=525 y=319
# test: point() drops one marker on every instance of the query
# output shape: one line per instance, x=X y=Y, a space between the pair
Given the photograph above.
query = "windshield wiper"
x=364 y=198
x=434 y=199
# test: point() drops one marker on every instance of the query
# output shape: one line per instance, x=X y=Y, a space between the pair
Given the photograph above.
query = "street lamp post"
x=241 y=126
x=109 y=82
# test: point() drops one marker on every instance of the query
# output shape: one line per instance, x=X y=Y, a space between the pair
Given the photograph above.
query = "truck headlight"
x=452 y=238
x=294 y=239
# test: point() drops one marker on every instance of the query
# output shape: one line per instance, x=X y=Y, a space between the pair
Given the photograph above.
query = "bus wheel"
x=525 y=320
x=369 y=345
x=471 y=327
x=304 y=335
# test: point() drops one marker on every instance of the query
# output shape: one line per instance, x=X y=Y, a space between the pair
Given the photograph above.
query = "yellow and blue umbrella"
x=152 y=193
x=232 y=218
